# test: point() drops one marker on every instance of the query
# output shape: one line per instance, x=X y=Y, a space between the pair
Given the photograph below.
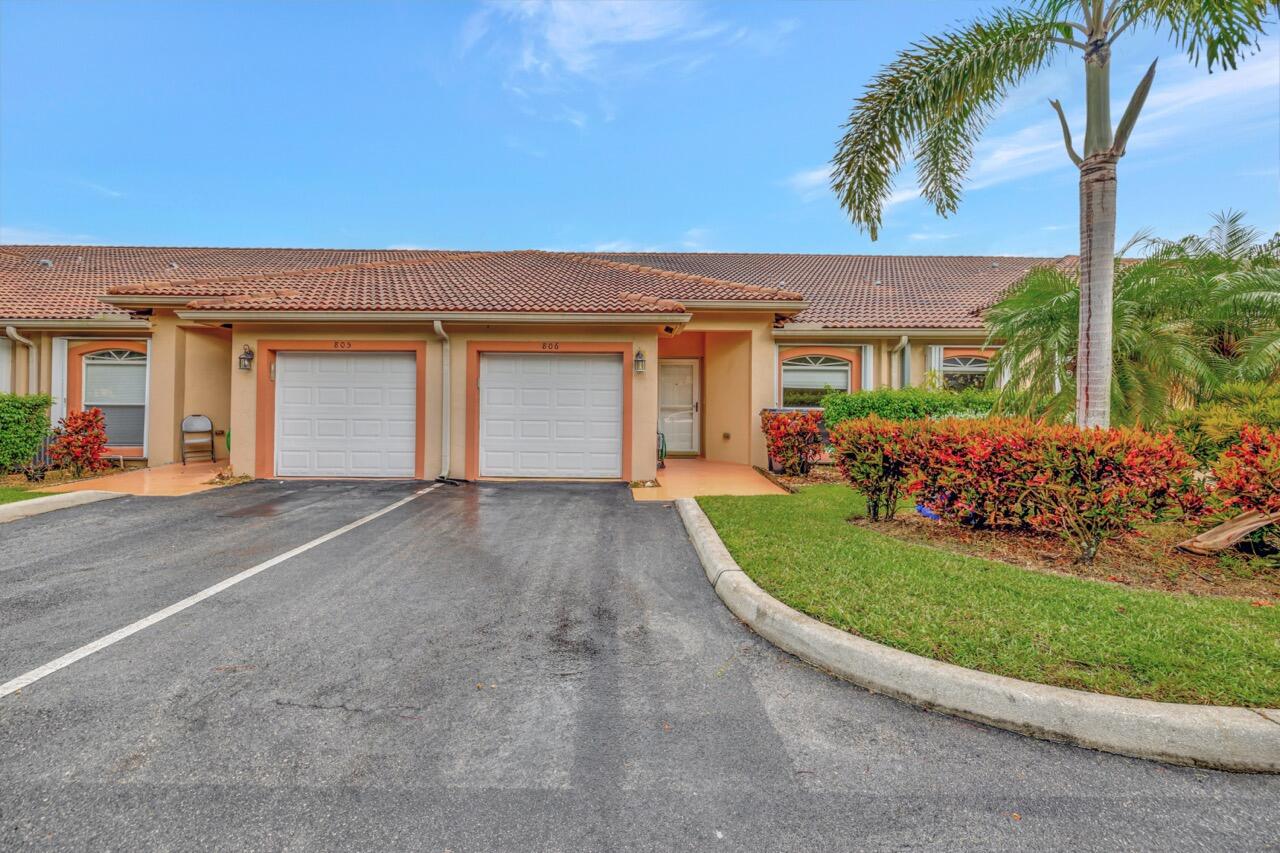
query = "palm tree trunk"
x=1097 y=274
x=1097 y=242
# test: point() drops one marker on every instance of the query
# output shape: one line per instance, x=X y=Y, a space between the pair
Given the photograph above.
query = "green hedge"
x=24 y=422
x=907 y=404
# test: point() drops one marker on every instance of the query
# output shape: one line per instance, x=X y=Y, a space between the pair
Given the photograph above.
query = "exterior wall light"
x=638 y=361
x=246 y=358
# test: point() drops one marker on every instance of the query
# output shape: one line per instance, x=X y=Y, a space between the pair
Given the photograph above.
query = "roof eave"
x=74 y=323
x=512 y=317
x=774 y=306
x=816 y=331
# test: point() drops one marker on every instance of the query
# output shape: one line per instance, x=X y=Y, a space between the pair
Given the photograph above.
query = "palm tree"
x=1190 y=316
x=935 y=99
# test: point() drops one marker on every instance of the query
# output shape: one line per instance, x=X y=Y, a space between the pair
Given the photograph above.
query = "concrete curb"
x=1237 y=739
x=35 y=506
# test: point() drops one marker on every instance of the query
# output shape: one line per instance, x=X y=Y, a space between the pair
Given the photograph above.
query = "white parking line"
x=116 y=636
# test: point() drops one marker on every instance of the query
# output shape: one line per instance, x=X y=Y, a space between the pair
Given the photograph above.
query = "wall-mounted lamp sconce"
x=246 y=358
x=638 y=361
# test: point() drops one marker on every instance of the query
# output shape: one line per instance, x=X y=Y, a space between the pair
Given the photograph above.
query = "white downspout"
x=444 y=400
x=33 y=376
x=903 y=342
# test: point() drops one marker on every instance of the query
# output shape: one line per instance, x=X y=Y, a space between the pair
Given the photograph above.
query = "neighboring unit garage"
x=557 y=414
x=346 y=414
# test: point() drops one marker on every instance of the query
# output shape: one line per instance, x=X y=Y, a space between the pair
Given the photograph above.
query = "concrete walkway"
x=160 y=481
x=691 y=478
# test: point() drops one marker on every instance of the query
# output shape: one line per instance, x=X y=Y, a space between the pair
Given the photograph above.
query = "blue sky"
x=589 y=126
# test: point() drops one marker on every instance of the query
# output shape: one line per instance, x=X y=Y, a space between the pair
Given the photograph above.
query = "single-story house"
x=381 y=363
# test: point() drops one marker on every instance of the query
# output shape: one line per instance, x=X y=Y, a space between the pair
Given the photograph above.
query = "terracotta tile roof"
x=68 y=287
x=843 y=291
x=864 y=291
x=538 y=282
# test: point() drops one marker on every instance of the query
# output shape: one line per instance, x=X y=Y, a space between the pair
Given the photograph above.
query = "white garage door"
x=551 y=415
x=345 y=414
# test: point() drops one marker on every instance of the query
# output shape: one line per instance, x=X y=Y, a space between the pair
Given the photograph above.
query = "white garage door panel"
x=551 y=415
x=345 y=414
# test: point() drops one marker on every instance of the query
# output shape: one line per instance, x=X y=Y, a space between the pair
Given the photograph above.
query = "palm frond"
x=1221 y=31
x=933 y=101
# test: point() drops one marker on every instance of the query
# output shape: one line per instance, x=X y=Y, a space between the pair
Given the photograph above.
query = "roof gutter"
x=33 y=383
x=38 y=323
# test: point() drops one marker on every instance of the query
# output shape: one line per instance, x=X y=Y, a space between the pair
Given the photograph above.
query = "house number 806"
x=550 y=345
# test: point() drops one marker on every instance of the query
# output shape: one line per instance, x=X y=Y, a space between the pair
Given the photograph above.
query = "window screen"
x=806 y=378
x=115 y=381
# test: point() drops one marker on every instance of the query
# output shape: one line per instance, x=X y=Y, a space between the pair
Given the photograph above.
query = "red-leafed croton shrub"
x=874 y=455
x=794 y=438
x=1088 y=486
x=1249 y=472
x=79 y=442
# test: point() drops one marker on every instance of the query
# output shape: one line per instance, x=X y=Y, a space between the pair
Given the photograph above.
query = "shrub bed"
x=1249 y=472
x=79 y=442
x=1088 y=486
x=906 y=404
x=1210 y=428
x=24 y=423
x=794 y=438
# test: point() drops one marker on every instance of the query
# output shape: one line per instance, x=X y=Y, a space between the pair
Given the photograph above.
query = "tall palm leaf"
x=935 y=99
x=1186 y=320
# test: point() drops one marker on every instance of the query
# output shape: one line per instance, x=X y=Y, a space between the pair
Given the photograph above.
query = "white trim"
x=29 y=678
x=696 y=432
x=868 y=378
x=146 y=409
x=933 y=360
x=58 y=381
x=6 y=366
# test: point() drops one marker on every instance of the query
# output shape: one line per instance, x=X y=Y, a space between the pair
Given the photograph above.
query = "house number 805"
x=342 y=344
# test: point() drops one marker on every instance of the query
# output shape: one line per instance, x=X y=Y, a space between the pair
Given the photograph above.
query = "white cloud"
x=623 y=246
x=100 y=189
x=577 y=38
x=928 y=236
x=695 y=239
x=39 y=236
x=810 y=184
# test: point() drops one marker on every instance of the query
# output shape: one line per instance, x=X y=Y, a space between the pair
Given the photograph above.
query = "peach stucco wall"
x=243 y=403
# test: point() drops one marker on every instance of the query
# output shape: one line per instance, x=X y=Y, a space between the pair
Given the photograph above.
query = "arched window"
x=964 y=371
x=806 y=378
x=115 y=381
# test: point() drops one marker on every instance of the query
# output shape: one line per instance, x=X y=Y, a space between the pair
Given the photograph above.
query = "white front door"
x=346 y=414
x=551 y=415
x=679 y=401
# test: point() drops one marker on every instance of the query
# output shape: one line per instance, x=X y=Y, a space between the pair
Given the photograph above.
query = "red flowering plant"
x=79 y=441
x=794 y=438
x=874 y=456
x=1249 y=472
x=1088 y=486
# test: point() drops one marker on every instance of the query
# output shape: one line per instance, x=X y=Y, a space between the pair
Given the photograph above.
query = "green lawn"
x=996 y=617
x=9 y=494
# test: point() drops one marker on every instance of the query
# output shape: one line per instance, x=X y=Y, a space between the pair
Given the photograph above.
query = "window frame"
x=813 y=362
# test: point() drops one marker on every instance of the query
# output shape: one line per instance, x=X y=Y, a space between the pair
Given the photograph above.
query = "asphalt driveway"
x=492 y=667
